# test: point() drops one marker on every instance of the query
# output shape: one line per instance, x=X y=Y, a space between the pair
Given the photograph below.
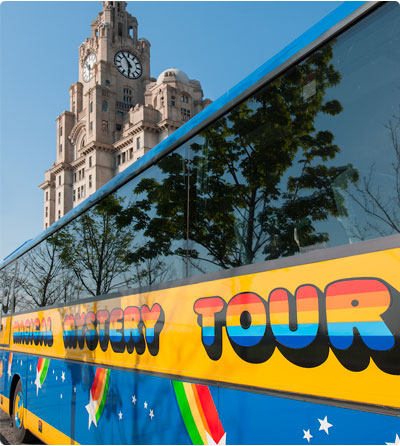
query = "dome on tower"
x=173 y=72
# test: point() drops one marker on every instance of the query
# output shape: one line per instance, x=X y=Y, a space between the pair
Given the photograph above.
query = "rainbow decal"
x=10 y=358
x=358 y=303
x=199 y=413
x=41 y=372
x=306 y=301
x=98 y=395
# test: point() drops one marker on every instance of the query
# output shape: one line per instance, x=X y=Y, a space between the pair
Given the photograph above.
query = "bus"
x=238 y=284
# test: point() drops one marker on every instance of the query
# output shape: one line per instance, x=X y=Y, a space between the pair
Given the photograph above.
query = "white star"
x=91 y=408
x=307 y=435
x=53 y=371
x=62 y=376
x=37 y=382
x=30 y=367
x=74 y=389
x=31 y=382
x=61 y=395
x=151 y=414
x=210 y=440
x=396 y=441
x=325 y=425
x=134 y=399
x=145 y=404
x=56 y=378
x=120 y=415
x=9 y=370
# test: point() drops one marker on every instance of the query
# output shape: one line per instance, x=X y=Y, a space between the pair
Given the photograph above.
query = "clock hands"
x=128 y=63
x=88 y=67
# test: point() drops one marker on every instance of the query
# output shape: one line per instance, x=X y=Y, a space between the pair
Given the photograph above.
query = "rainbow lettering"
x=246 y=319
x=301 y=331
x=303 y=326
x=358 y=303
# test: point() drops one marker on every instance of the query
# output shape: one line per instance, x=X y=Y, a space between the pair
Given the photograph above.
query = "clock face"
x=128 y=64
x=88 y=67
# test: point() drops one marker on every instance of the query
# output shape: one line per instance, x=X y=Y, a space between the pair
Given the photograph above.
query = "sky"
x=217 y=43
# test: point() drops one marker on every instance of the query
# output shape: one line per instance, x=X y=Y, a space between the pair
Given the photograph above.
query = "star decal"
x=151 y=414
x=133 y=399
x=396 y=441
x=60 y=395
x=145 y=404
x=91 y=408
x=53 y=371
x=62 y=376
x=120 y=415
x=30 y=367
x=325 y=425
x=307 y=435
x=210 y=440
x=37 y=382
x=56 y=378
x=74 y=389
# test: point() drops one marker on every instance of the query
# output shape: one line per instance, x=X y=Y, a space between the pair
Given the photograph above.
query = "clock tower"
x=117 y=111
x=114 y=69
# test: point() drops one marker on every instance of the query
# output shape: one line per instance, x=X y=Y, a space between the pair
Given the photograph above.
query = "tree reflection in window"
x=258 y=176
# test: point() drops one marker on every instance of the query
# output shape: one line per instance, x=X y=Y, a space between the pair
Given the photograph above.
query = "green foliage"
x=257 y=178
x=96 y=246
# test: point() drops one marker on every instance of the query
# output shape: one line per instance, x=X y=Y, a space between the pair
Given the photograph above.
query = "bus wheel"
x=18 y=414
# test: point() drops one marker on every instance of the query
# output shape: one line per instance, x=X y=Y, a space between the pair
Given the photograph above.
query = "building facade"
x=117 y=113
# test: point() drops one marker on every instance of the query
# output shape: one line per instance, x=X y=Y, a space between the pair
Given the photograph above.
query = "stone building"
x=117 y=111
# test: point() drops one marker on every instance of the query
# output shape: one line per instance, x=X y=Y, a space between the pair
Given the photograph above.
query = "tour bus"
x=240 y=282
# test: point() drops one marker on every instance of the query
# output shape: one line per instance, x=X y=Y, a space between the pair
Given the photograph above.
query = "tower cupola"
x=119 y=5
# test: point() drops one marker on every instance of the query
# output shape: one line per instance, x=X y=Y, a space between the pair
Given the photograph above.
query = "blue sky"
x=218 y=43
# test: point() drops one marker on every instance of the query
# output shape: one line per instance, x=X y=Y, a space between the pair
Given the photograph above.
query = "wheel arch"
x=14 y=383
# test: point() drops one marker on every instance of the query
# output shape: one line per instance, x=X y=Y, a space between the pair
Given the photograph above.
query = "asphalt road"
x=6 y=431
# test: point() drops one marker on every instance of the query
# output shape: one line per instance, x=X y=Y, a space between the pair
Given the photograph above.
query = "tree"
x=257 y=179
x=95 y=247
x=380 y=203
x=42 y=279
x=7 y=288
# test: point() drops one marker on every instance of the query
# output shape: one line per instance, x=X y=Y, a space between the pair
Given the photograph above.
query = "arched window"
x=185 y=98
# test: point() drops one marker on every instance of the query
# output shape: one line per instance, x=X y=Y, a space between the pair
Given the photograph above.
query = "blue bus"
x=239 y=283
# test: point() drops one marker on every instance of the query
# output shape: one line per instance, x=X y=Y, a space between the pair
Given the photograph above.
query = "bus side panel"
x=327 y=329
x=136 y=408
x=6 y=373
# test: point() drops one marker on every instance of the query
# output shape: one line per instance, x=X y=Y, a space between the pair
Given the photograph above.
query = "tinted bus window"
x=309 y=162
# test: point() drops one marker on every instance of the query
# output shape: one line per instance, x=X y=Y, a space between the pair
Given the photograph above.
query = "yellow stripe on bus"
x=49 y=434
